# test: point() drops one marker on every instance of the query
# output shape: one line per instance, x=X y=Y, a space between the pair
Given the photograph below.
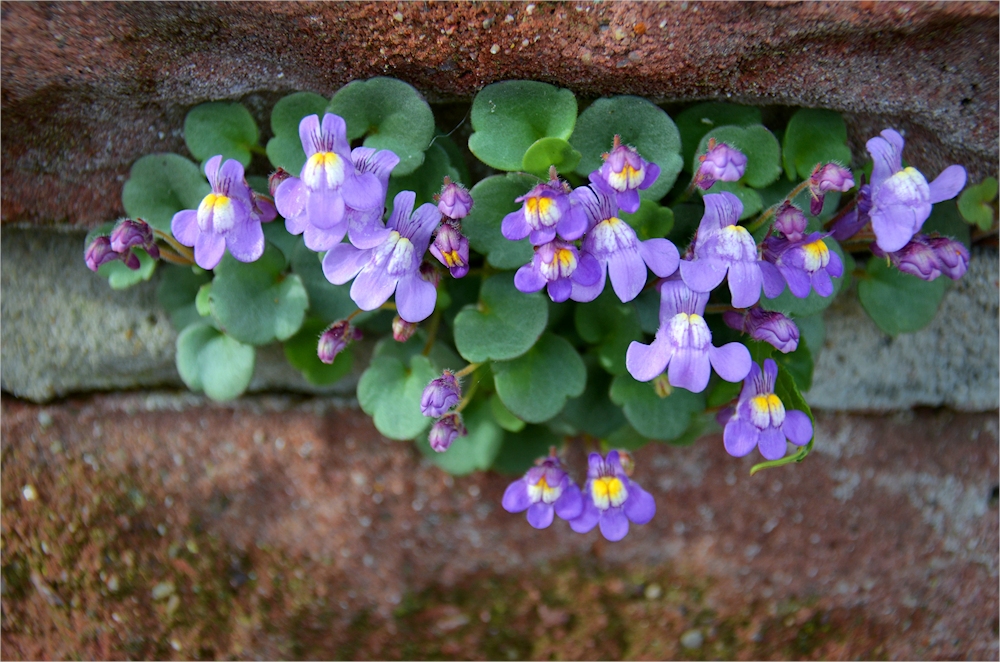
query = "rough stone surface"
x=87 y=89
x=71 y=333
x=295 y=530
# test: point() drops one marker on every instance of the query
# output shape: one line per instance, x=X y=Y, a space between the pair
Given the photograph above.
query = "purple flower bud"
x=402 y=330
x=99 y=252
x=129 y=233
x=275 y=178
x=790 y=221
x=440 y=395
x=952 y=255
x=131 y=260
x=720 y=163
x=765 y=326
x=430 y=274
x=625 y=172
x=826 y=178
x=916 y=258
x=451 y=249
x=446 y=430
x=454 y=201
x=335 y=339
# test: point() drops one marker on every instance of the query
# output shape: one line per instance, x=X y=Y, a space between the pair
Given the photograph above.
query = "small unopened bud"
x=952 y=255
x=790 y=221
x=429 y=273
x=129 y=233
x=99 y=252
x=440 y=395
x=131 y=260
x=825 y=178
x=275 y=178
x=662 y=385
x=446 y=430
x=720 y=163
x=335 y=339
x=263 y=207
x=402 y=330
x=451 y=249
x=627 y=461
x=454 y=201
x=767 y=326
x=917 y=258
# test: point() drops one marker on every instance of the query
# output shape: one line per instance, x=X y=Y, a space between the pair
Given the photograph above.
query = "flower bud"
x=99 y=252
x=275 y=178
x=454 y=201
x=720 y=163
x=129 y=233
x=451 y=249
x=429 y=273
x=826 y=178
x=767 y=326
x=790 y=221
x=440 y=395
x=335 y=339
x=263 y=207
x=953 y=256
x=445 y=430
x=131 y=260
x=402 y=330
x=661 y=384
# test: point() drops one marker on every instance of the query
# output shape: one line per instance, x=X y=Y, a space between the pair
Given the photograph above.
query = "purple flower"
x=445 y=430
x=99 y=253
x=826 y=178
x=928 y=257
x=546 y=211
x=402 y=330
x=546 y=490
x=561 y=267
x=850 y=223
x=790 y=221
x=451 y=249
x=720 y=163
x=440 y=395
x=335 y=339
x=952 y=255
x=454 y=201
x=808 y=263
x=625 y=173
x=315 y=202
x=683 y=343
x=364 y=226
x=760 y=418
x=612 y=500
x=723 y=246
x=901 y=198
x=619 y=252
x=224 y=219
x=129 y=233
x=765 y=326
x=393 y=265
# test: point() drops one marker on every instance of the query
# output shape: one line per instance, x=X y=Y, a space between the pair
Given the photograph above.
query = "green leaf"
x=503 y=417
x=121 y=277
x=593 y=412
x=547 y=152
x=758 y=144
x=160 y=185
x=509 y=117
x=493 y=198
x=504 y=325
x=814 y=136
x=611 y=326
x=520 y=450
x=390 y=114
x=812 y=330
x=694 y=122
x=789 y=304
x=975 y=203
x=946 y=220
x=285 y=148
x=256 y=302
x=798 y=364
x=723 y=393
x=791 y=398
x=641 y=124
x=327 y=301
x=389 y=391
x=210 y=361
x=535 y=386
x=663 y=419
x=221 y=127
x=276 y=233
x=474 y=452
x=625 y=438
x=178 y=289
x=427 y=180
x=201 y=303
x=300 y=350
x=898 y=302
x=651 y=221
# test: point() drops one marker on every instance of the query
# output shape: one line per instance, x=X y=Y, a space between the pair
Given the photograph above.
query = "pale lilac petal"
x=421 y=225
x=515 y=497
x=514 y=227
x=739 y=437
x=652 y=172
x=570 y=504
x=290 y=198
x=894 y=226
x=640 y=507
x=660 y=255
x=540 y=515
x=542 y=236
x=363 y=191
x=614 y=524
x=772 y=444
x=770 y=371
x=573 y=223
x=559 y=290
x=628 y=200
x=212 y=171
x=372 y=287
x=321 y=240
x=402 y=208
x=627 y=272
x=797 y=427
x=184 y=226
x=948 y=184
x=721 y=209
x=732 y=361
x=822 y=284
x=886 y=157
x=325 y=208
x=309 y=134
x=588 y=517
x=208 y=249
x=646 y=362
x=585 y=293
x=528 y=279
x=798 y=281
x=297 y=224
x=335 y=127
x=230 y=181
x=246 y=242
x=744 y=283
x=703 y=275
x=588 y=270
x=366 y=229
x=835 y=267
x=774 y=282
x=266 y=211
x=415 y=298
x=343 y=263
x=690 y=369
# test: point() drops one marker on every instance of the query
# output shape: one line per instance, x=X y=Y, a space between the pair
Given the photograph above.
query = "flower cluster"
x=128 y=234
x=441 y=395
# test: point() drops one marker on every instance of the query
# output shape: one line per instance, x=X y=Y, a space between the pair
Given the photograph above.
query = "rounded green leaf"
x=160 y=185
x=758 y=144
x=593 y=412
x=503 y=417
x=300 y=350
x=975 y=203
x=610 y=325
x=789 y=304
x=520 y=450
x=694 y=122
x=427 y=180
x=285 y=148
x=210 y=361
x=221 y=127
x=898 y=302
x=547 y=152
x=179 y=286
x=327 y=301
x=473 y=452
x=389 y=391
x=503 y=325
x=535 y=386
x=493 y=198
x=256 y=302
x=650 y=221
x=946 y=220
x=390 y=114
x=121 y=277
x=509 y=117
x=641 y=124
x=663 y=419
x=814 y=136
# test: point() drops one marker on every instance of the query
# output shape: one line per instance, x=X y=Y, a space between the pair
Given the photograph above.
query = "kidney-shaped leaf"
x=812 y=136
x=493 y=199
x=535 y=386
x=221 y=127
x=898 y=302
x=663 y=419
x=160 y=185
x=503 y=325
x=389 y=391
x=285 y=148
x=210 y=361
x=476 y=450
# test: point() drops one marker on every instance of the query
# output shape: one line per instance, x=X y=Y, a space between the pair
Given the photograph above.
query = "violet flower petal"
x=640 y=507
x=797 y=427
x=514 y=227
x=614 y=524
x=325 y=208
x=570 y=503
x=343 y=263
x=290 y=198
x=246 y=242
x=660 y=255
x=886 y=152
x=588 y=270
x=772 y=444
x=415 y=298
x=573 y=223
x=588 y=517
x=184 y=226
x=774 y=282
x=627 y=272
x=646 y=362
x=948 y=184
x=739 y=437
x=689 y=368
x=559 y=290
x=744 y=284
x=321 y=240
x=703 y=274
x=894 y=226
x=208 y=249
x=515 y=497
x=373 y=287
x=731 y=361
x=540 y=515
x=363 y=191
x=529 y=279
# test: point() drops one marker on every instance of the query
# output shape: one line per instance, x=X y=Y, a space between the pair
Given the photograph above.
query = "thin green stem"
x=714 y=308
x=468 y=397
x=179 y=248
x=168 y=255
x=797 y=457
x=468 y=370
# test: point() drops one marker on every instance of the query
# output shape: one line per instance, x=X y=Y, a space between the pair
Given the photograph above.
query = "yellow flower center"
x=608 y=491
